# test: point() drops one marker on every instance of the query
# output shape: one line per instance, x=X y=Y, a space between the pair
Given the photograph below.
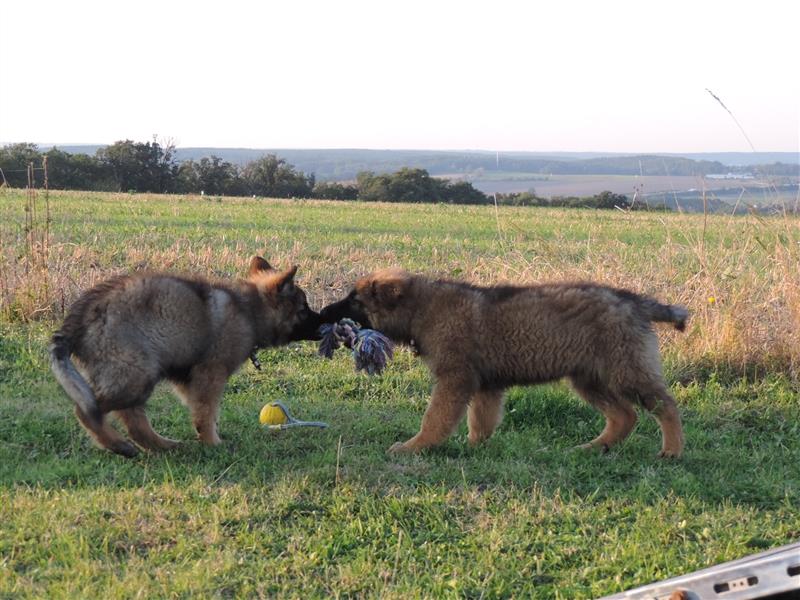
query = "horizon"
x=375 y=149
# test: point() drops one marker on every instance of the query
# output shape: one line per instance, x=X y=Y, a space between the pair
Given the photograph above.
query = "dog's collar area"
x=254 y=358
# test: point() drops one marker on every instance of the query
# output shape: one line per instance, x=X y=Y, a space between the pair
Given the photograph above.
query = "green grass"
x=326 y=513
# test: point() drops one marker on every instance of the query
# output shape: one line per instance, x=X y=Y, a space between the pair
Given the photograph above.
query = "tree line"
x=128 y=166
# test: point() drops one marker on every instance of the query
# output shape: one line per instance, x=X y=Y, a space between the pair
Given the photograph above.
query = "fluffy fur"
x=478 y=341
x=128 y=333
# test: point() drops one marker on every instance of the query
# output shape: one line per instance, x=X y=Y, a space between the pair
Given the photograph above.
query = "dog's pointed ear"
x=285 y=282
x=389 y=292
x=257 y=265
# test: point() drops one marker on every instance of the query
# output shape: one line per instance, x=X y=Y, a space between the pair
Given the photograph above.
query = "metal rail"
x=761 y=575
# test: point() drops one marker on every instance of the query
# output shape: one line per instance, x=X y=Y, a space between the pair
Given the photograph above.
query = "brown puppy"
x=477 y=341
x=130 y=332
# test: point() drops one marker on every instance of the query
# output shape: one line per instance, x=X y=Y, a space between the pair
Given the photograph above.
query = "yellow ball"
x=272 y=414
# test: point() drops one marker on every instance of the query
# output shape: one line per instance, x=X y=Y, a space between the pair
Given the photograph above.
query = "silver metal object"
x=761 y=575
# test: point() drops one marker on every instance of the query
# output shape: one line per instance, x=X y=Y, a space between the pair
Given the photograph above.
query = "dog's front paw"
x=669 y=454
x=602 y=448
x=398 y=448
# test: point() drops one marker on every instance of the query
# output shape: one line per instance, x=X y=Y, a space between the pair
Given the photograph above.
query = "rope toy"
x=371 y=349
x=277 y=416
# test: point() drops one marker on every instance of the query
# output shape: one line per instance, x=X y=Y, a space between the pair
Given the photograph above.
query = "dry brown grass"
x=740 y=276
x=742 y=286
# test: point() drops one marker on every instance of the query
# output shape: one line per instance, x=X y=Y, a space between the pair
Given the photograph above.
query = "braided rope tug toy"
x=371 y=349
x=276 y=416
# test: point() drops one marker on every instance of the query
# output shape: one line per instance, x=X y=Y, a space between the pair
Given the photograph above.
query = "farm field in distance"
x=753 y=191
x=326 y=513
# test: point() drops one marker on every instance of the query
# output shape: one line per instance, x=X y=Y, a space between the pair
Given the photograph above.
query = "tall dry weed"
x=25 y=280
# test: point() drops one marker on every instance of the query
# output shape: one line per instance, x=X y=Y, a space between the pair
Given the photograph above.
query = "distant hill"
x=345 y=164
x=744 y=159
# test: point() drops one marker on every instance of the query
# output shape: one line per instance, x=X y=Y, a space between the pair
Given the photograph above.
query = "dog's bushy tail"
x=666 y=313
x=73 y=382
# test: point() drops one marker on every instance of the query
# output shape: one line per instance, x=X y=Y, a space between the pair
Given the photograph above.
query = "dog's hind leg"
x=644 y=378
x=104 y=434
x=661 y=403
x=202 y=394
x=619 y=413
x=447 y=406
x=88 y=409
x=484 y=414
x=140 y=430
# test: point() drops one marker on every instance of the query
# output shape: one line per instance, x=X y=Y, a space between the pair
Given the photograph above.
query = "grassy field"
x=326 y=513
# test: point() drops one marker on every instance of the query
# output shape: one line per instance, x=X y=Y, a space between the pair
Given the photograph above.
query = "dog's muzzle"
x=347 y=308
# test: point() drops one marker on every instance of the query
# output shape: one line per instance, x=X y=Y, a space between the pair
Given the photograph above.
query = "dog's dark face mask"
x=308 y=326
x=377 y=301
x=350 y=307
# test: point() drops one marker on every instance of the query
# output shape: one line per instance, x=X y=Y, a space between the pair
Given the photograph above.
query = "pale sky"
x=495 y=75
